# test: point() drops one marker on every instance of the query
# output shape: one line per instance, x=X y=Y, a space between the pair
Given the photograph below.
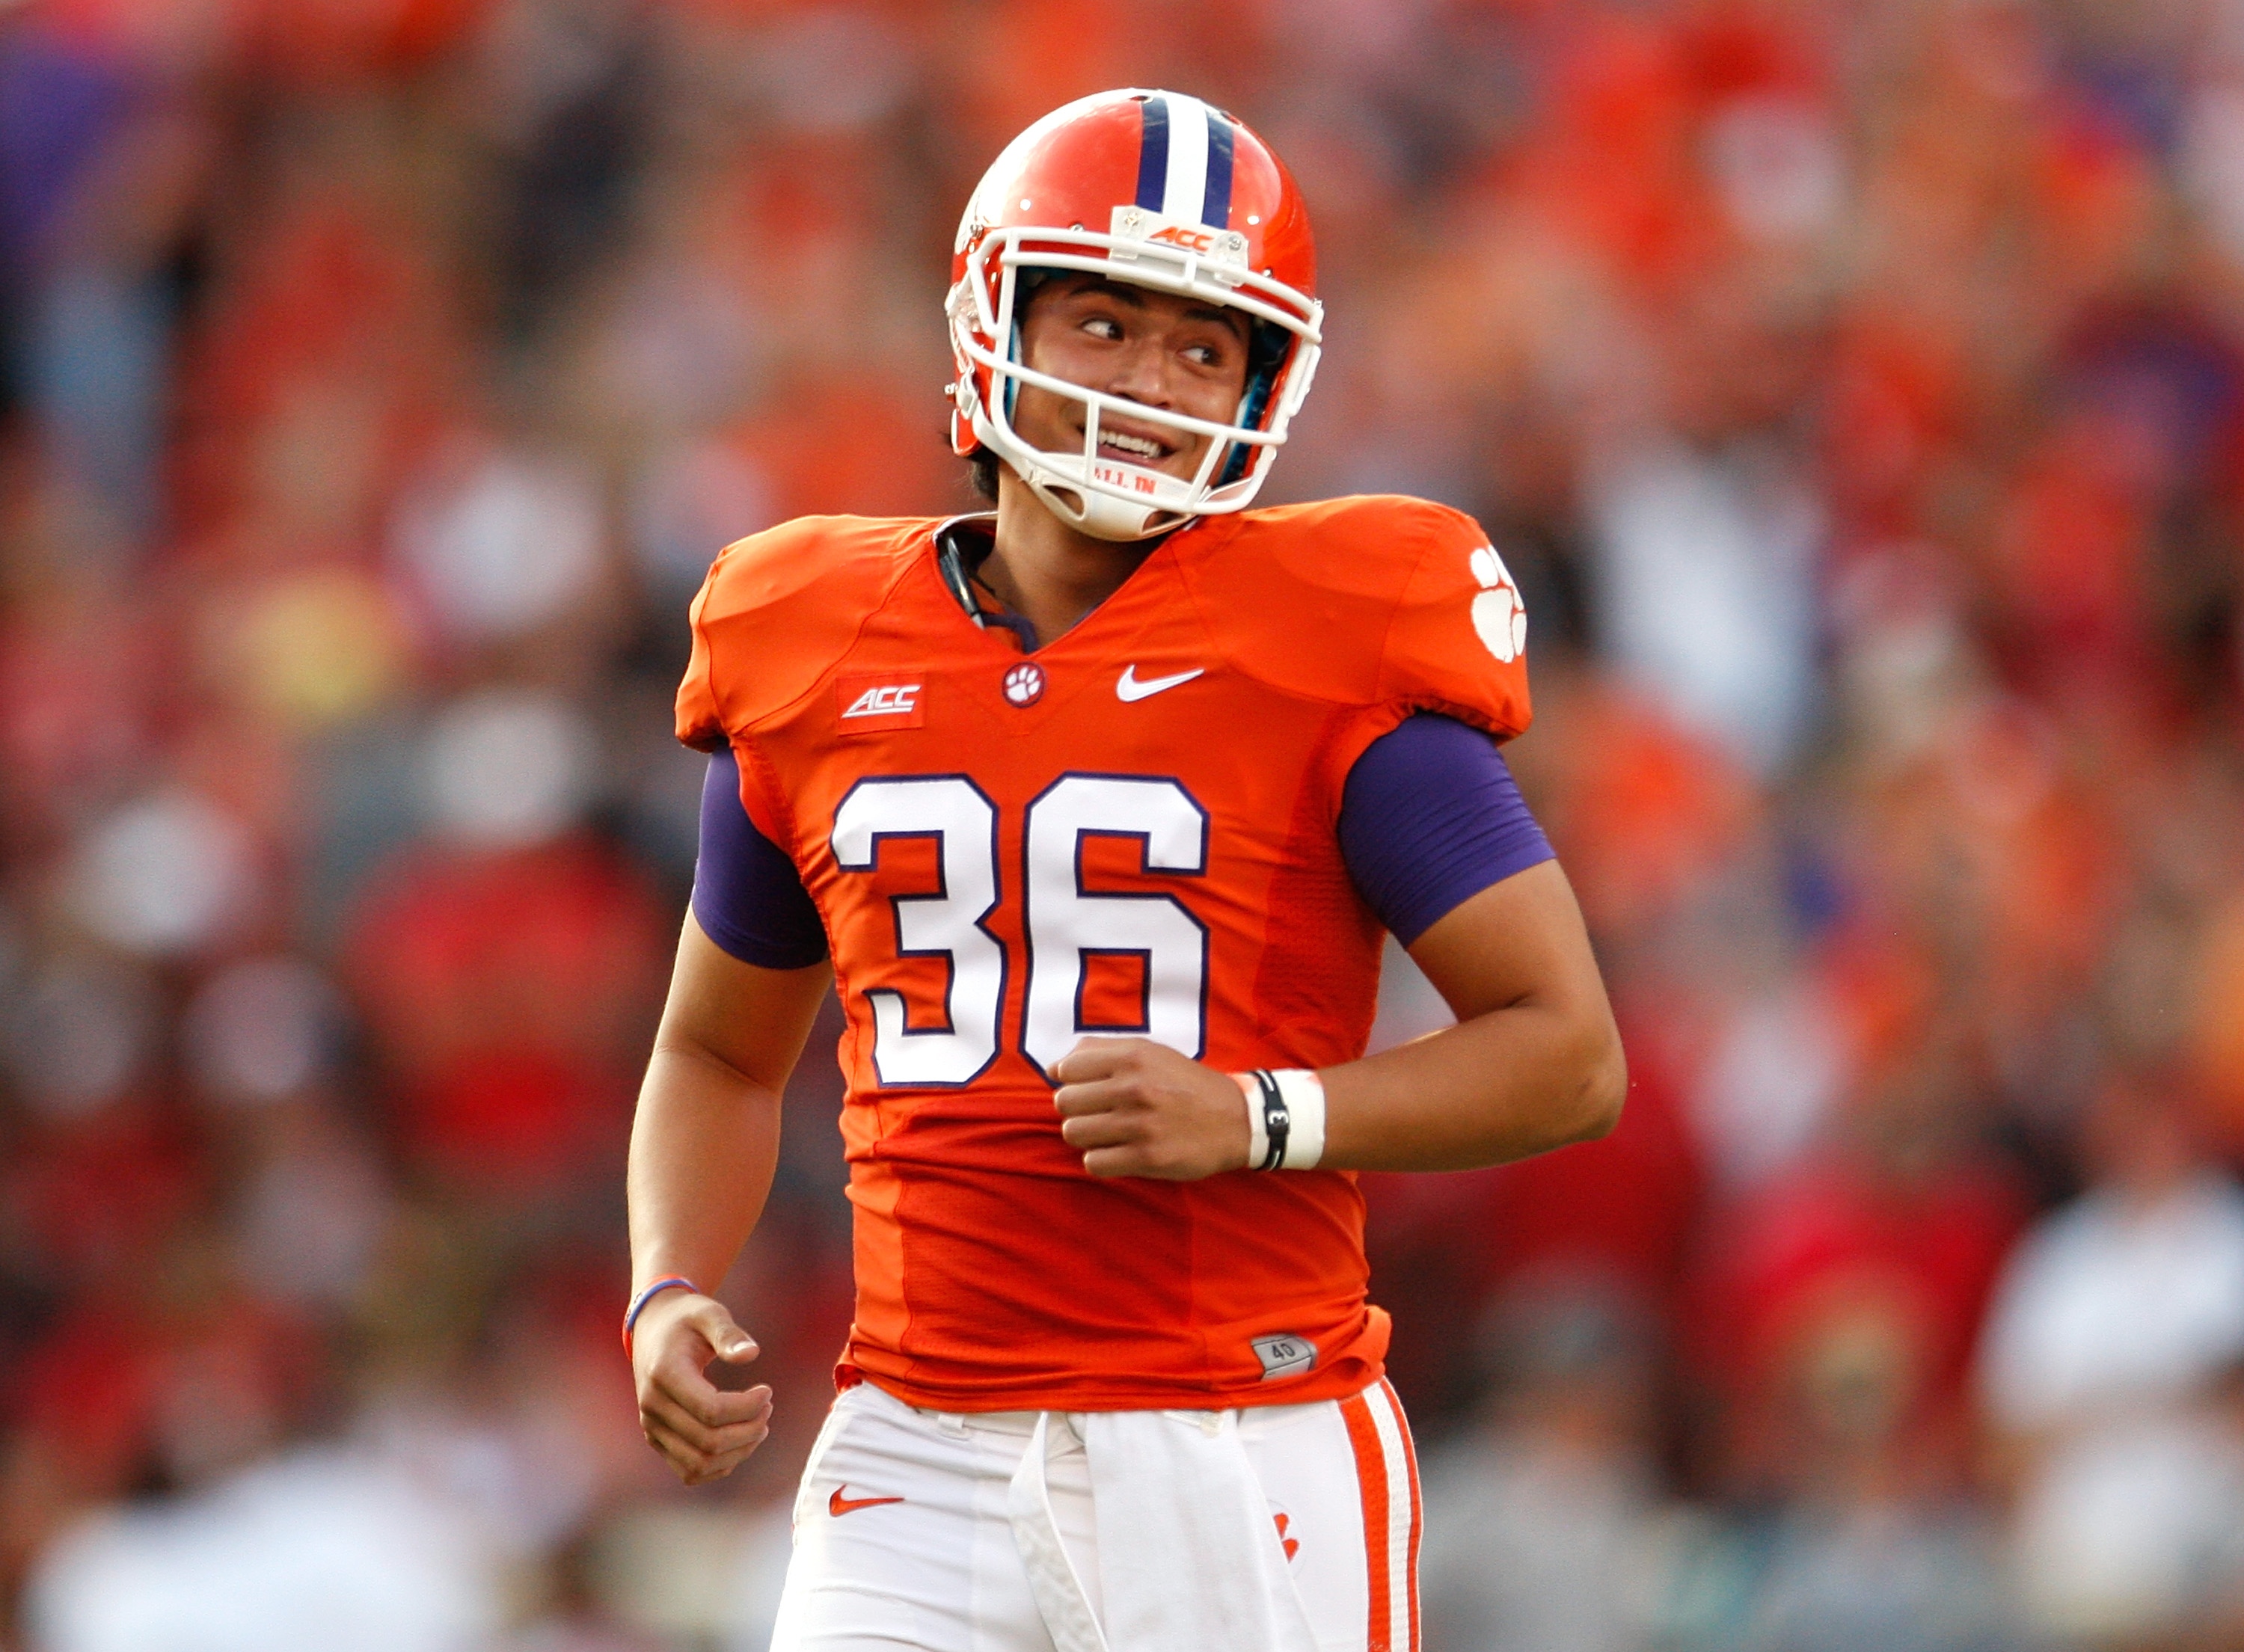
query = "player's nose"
x=1141 y=374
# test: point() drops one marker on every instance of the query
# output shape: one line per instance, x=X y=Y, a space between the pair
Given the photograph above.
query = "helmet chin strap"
x=1099 y=514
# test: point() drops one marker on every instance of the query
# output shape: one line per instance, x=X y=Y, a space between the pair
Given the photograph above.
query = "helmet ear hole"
x=1267 y=348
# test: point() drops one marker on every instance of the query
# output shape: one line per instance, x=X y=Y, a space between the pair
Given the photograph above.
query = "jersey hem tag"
x=1283 y=1354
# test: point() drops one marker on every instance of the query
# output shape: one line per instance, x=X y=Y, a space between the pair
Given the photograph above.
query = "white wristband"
x=1305 y=1099
x=1285 y=1118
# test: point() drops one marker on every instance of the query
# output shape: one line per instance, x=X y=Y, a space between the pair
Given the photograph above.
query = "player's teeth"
x=1130 y=444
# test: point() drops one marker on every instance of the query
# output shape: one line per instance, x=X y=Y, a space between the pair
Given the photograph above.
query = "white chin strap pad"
x=1100 y=514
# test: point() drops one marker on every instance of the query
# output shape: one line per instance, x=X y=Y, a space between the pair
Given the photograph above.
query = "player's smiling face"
x=1159 y=349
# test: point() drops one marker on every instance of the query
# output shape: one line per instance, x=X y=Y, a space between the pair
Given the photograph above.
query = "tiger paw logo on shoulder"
x=1497 y=614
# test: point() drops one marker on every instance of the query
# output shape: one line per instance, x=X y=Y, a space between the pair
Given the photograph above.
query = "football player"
x=1093 y=809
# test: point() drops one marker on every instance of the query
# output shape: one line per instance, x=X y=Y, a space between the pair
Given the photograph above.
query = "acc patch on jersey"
x=880 y=704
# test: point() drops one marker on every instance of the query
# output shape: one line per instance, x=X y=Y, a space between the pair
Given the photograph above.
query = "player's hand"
x=1134 y=1108
x=702 y=1431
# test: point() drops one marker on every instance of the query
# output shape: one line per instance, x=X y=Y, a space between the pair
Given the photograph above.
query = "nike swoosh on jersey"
x=1129 y=688
x=838 y=1505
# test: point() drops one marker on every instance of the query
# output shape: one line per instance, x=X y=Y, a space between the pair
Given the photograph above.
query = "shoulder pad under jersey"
x=778 y=608
x=1380 y=600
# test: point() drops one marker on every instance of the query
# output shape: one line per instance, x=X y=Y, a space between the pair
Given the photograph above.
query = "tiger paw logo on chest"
x=874 y=705
x=1497 y=614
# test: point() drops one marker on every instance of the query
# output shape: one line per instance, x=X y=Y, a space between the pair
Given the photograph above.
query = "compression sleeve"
x=1430 y=817
x=747 y=893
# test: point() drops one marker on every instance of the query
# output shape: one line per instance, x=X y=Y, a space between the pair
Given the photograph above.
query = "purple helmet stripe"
x=1215 y=207
x=1153 y=153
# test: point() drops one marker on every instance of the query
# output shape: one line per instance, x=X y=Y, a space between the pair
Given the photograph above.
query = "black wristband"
x=1276 y=1120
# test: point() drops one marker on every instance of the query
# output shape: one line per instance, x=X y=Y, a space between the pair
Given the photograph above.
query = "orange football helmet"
x=1161 y=190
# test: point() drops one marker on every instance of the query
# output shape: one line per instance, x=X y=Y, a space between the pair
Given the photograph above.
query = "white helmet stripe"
x=1186 y=188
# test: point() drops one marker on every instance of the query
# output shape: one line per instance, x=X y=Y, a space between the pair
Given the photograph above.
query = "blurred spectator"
x=169 y=874
x=262 y=1031
x=1876 y=1549
x=78 y=1032
x=1545 y=1528
x=2112 y=1368
x=1889 y=1239
x=1704 y=581
x=510 y=966
x=317 y=1544
x=309 y=1200
x=105 y=157
x=500 y=544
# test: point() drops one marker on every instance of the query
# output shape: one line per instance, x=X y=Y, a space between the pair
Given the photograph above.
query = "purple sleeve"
x=1430 y=817
x=747 y=893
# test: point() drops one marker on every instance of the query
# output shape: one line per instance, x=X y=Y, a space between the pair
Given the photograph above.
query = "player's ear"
x=983 y=467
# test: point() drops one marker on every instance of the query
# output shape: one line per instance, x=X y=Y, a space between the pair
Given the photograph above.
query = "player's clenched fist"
x=1134 y=1108
x=702 y=1431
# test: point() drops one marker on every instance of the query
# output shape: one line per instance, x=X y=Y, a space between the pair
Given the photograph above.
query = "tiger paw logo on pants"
x=1497 y=613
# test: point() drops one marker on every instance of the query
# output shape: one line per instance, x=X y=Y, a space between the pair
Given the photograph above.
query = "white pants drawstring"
x=1060 y=1596
x=1188 y=1554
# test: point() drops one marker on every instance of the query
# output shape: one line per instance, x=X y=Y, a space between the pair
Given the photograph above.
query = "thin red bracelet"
x=647 y=1293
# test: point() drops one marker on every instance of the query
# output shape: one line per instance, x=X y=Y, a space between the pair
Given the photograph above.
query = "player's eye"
x=1103 y=326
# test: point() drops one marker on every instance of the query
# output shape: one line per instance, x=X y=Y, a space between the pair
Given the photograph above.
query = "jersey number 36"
x=1065 y=924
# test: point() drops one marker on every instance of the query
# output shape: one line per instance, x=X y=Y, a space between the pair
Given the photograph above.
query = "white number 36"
x=1066 y=925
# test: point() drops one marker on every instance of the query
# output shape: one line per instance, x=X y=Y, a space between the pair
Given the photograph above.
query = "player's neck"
x=1044 y=570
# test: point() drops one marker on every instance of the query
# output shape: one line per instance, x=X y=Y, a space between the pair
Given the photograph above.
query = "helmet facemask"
x=1095 y=493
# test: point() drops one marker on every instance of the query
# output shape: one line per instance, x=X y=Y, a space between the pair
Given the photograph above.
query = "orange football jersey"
x=1131 y=831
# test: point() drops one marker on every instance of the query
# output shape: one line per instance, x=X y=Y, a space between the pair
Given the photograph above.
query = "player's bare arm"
x=703 y=1146
x=1534 y=1063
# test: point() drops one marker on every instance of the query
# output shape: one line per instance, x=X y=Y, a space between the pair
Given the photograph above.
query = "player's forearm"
x=1500 y=1086
x=703 y=1147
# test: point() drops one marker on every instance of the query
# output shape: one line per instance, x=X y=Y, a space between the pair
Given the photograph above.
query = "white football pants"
x=1267 y=1529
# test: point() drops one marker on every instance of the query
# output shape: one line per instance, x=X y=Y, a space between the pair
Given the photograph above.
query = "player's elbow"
x=1599 y=1084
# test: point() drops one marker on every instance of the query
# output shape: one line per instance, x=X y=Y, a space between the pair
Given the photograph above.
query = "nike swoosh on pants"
x=838 y=1505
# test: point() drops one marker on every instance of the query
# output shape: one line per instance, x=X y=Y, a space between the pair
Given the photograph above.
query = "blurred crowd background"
x=1856 y=389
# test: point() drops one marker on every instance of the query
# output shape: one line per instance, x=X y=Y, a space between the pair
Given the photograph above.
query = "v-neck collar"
x=960 y=581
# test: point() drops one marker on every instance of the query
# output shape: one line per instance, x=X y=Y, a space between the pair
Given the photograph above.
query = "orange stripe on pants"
x=1417 y=1508
x=1371 y=1477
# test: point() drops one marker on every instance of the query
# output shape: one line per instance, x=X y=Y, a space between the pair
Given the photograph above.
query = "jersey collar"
x=962 y=544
